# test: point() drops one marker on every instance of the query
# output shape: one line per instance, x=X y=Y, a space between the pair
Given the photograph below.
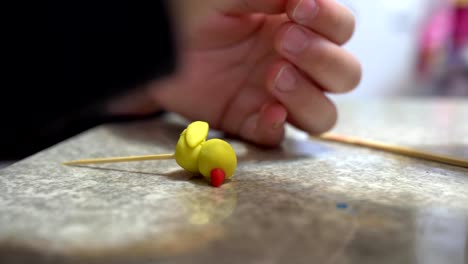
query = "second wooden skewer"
x=394 y=149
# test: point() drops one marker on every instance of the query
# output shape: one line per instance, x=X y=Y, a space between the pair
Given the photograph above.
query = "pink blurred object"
x=444 y=38
x=438 y=30
x=435 y=39
x=460 y=34
x=443 y=50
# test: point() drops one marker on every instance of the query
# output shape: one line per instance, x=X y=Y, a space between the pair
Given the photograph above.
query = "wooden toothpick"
x=394 y=149
x=410 y=152
x=120 y=159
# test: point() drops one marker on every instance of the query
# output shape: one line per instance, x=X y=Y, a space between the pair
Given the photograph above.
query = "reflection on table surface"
x=306 y=202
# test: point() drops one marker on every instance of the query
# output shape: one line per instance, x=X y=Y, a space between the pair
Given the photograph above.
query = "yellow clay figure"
x=215 y=159
x=189 y=145
x=217 y=154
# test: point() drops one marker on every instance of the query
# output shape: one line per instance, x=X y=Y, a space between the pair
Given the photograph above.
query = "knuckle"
x=355 y=75
x=272 y=140
x=351 y=74
x=329 y=116
x=322 y=57
x=330 y=119
x=345 y=25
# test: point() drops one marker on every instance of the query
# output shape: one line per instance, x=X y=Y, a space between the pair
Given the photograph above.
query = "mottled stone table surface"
x=307 y=202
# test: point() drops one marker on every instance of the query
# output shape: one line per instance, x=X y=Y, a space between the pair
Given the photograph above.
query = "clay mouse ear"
x=196 y=133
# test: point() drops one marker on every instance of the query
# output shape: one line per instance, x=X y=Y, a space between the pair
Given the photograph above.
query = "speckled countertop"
x=308 y=202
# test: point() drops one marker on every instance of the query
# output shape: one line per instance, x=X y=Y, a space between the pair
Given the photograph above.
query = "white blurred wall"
x=385 y=42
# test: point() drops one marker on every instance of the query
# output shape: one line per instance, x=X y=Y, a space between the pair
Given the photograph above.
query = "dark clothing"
x=61 y=59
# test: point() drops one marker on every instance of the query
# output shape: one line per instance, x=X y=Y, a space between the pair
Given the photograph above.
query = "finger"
x=330 y=66
x=311 y=110
x=252 y=6
x=326 y=17
x=266 y=127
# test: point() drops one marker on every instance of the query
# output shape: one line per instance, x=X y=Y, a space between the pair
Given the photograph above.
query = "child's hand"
x=249 y=66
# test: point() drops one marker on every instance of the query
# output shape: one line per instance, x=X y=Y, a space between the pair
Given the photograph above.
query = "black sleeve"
x=59 y=58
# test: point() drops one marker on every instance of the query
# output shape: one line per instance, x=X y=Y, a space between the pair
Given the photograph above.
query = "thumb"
x=237 y=7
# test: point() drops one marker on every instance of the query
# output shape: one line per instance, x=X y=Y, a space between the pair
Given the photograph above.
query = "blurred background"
x=411 y=47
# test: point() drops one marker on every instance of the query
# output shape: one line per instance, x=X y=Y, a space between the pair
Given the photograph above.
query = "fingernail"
x=295 y=40
x=279 y=123
x=286 y=79
x=264 y=107
x=305 y=11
